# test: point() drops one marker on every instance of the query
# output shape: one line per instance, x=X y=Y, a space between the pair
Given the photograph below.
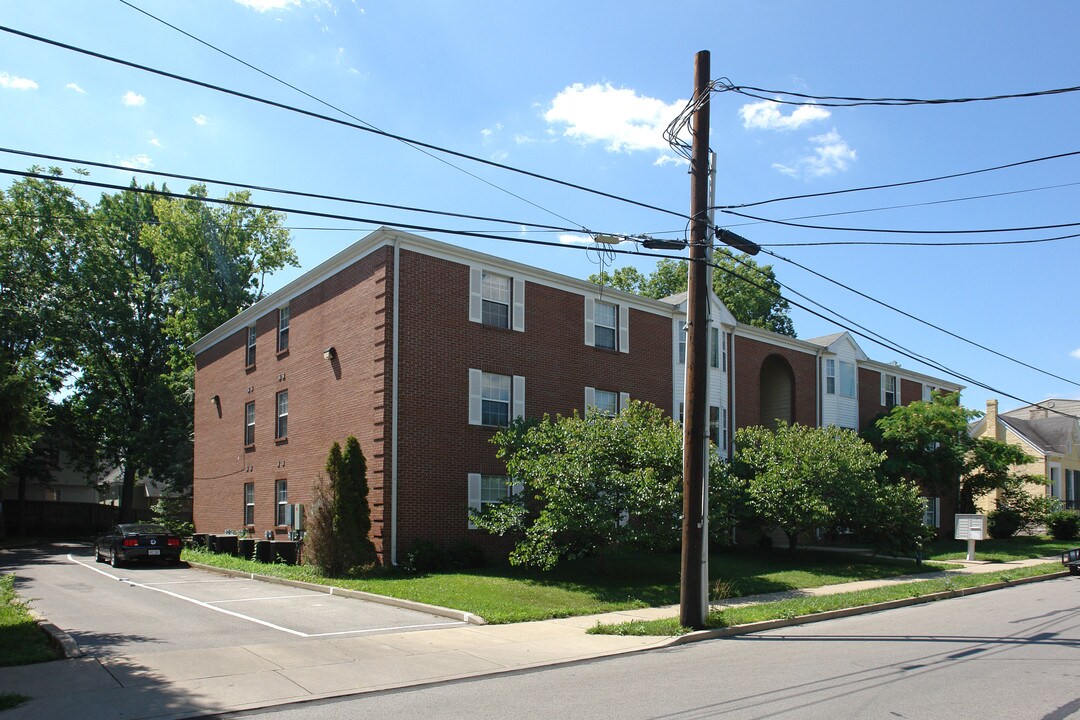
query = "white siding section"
x=836 y=409
x=718 y=379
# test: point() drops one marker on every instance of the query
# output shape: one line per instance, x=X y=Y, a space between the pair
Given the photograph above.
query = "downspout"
x=394 y=408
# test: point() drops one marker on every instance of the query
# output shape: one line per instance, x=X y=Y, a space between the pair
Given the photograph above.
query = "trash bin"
x=264 y=551
x=245 y=548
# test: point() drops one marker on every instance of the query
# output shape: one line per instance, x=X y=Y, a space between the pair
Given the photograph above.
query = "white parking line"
x=268 y=597
x=212 y=606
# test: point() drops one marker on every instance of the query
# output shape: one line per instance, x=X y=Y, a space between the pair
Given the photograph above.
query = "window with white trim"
x=1055 y=481
x=249 y=503
x=723 y=352
x=714 y=424
x=682 y=342
x=495 y=295
x=928 y=392
x=846 y=384
x=494 y=400
x=249 y=423
x=606 y=319
x=283 y=329
x=890 y=390
x=727 y=426
x=830 y=376
x=605 y=402
x=281 y=495
x=249 y=357
x=714 y=347
x=487 y=490
x=281 y=430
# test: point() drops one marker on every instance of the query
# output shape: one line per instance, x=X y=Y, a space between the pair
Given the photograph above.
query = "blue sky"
x=581 y=91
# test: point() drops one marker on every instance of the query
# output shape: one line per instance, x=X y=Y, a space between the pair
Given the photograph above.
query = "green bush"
x=1004 y=522
x=425 y=557
x=1064 y=525
x=466 y=556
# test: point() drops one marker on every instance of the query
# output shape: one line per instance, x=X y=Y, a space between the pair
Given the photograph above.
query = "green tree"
x=340 y=517
x=750 y=291
x=800 y=479
x=591 y=483
x=928 y=442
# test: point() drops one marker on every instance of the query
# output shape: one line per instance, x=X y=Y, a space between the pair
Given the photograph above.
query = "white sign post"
x=970 y=528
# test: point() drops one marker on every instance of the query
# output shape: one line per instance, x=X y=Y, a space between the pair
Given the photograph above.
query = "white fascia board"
x=906 y=374
x=772 y=338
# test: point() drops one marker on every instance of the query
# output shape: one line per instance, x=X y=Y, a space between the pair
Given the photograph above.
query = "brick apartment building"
x=422 y=350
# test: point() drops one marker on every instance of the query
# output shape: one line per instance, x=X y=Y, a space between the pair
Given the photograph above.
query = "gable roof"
x=1050 y=436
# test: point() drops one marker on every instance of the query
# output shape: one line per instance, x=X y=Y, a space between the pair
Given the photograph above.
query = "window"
x=682 y=342
x=928 y=392
x=605 y=402
x=847 y=379
x=249 y=423
x=714 y=347
x=606 y=320
x=714 y=424
x=495 y=399
x=890 y=390
x=932 y=511
x=249 y=359
x=1055 y=481
x=281 y=493
x=1072 y=485
x=496 y=300
x=727 y=427
x=830 y=377
x=489 y=489
x=283 y=329
x=723 y=351
x=495 y=292
x=249 y=503
x=680 y=413
x=282 y=429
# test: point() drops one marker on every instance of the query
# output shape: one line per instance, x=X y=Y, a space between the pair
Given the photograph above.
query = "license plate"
x=154 y=552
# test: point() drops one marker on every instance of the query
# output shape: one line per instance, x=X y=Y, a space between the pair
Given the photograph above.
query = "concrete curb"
x=63 y=642
x=750 y=628
x=437 y=610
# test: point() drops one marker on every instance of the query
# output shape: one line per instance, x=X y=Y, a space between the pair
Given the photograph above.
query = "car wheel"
x=1074 y=569
x=115 y=560
x=97 y=554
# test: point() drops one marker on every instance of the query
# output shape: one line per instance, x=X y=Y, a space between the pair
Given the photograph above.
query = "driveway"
x=155 y=608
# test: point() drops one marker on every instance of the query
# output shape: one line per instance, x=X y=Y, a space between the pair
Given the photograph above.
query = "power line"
x=905 y=183
x=884 y=243
x=898 y=231
x=918 y=319
x=337 y=109
x=338 y=121
x=297 y=193
x=724 y=85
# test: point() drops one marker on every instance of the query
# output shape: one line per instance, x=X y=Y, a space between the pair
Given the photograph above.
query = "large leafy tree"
x=149 y=277
x=928 y=442
x=750 y=291
x=592 y=483
x=800 y=479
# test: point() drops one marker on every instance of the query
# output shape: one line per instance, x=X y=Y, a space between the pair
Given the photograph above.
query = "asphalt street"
x=150 y=608
x=1013 y=653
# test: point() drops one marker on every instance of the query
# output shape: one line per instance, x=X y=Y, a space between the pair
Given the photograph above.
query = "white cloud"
x=618 y=117
x=200 y=119
x=13 y=82
x=671 y=160
x=76 y=88
x=1075 y=353
x=520 y=139
x=831 y=155
x=766 y=115
x=576 y=239
x=133 y=99
x=264 y=5
x=155 y=142
x=138 y=162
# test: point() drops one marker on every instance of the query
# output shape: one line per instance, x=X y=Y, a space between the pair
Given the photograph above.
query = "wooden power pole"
x=693 y=603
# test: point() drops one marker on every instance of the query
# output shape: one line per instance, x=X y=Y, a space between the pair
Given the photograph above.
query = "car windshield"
x=144 y=528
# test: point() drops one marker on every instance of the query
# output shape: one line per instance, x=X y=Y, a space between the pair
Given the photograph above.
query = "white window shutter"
x=937 y=512
x=624 y=400
x=476 y=305
x=624 y=329
x=590 y=399
x=519 y=397
x=476 y=382
x=519 y=305
x=590 y=328
x=516 y=488
x=883 y=388
x=474 y=495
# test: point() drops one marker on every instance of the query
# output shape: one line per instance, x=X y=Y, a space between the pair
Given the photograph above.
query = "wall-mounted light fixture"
x=215 y=401
x=329 y=353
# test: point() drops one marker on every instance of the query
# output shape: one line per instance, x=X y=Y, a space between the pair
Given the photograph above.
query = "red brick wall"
x=746 y=378
x=439 y=344
x=328 y=401
x=869 y=397
x=910 y=391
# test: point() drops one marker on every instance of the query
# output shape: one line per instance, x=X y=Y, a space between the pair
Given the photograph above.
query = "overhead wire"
x=340 y=110
x=338 y=121
x=725 y=85
x=899 y=231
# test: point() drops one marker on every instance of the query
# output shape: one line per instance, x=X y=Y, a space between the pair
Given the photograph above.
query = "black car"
x=137 y=541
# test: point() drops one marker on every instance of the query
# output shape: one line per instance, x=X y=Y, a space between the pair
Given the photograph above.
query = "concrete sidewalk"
x=189 y=683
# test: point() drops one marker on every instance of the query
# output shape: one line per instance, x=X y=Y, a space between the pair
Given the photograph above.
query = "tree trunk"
x=792 y=539
x=127 y=494
x=21 y=530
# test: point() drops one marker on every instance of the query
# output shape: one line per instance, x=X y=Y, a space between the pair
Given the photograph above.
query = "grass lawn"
x=21 y=641
x=505 y=594
x=797 y=607
x=1015 y=548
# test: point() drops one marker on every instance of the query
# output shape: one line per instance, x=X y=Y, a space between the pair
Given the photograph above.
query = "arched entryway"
x=777 y=392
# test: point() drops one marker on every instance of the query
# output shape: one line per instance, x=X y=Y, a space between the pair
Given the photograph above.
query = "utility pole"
x=693 y=608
